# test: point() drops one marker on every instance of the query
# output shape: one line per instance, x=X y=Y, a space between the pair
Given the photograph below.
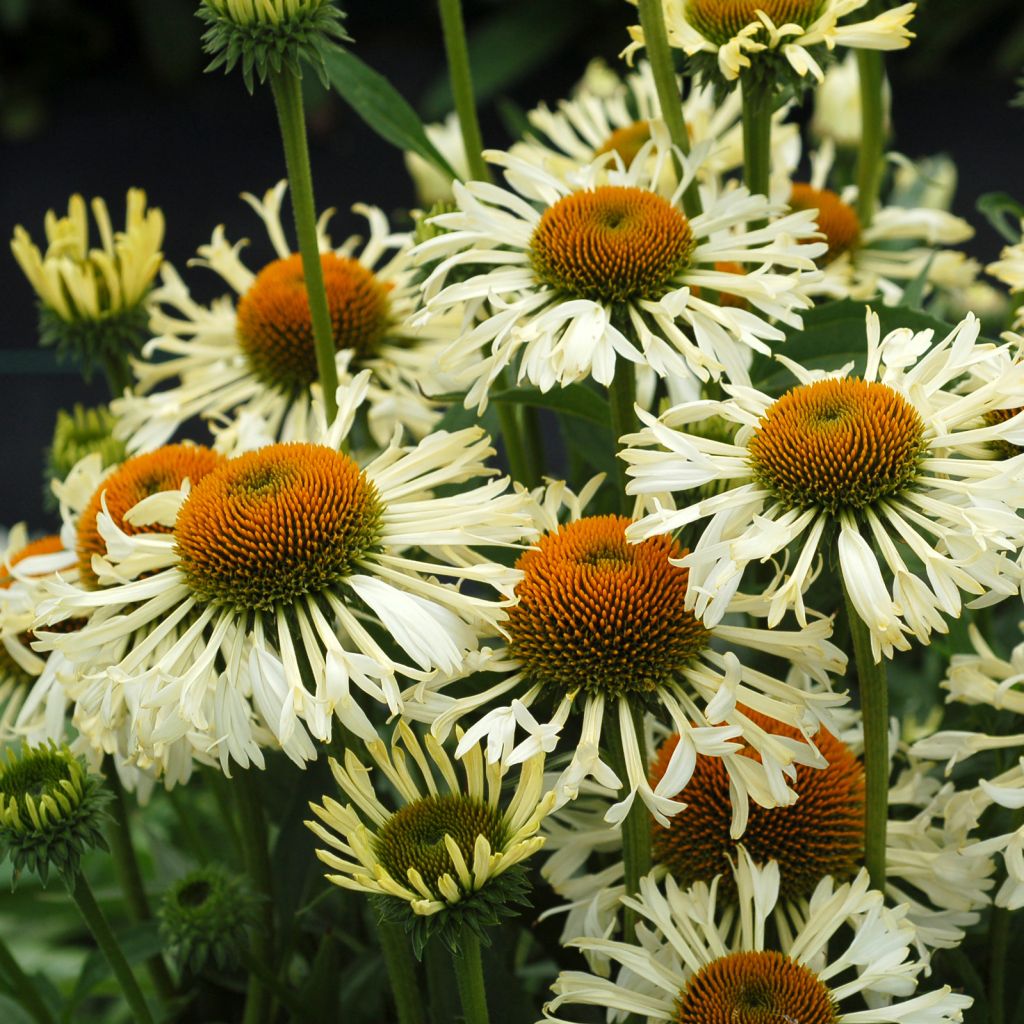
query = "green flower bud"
x=268 y=36
x=51 y=809
x=79 y=433
x=205 y=917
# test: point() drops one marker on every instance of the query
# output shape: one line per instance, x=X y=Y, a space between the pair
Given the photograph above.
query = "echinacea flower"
x=247 y=604
x=893 y=467
x=694 y=963
x=257 y=355
x=566 y=278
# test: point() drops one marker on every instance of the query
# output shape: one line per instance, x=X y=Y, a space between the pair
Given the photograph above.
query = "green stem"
x=287 y=89
x=469 y=972
x=636 y=827
x=460 y=75
x=874 y=706
x=659 y=53
x=23 y=987
x=872 y=136
x=516 y=452
x=255 y=847
x=757 y=134
x=622 y=402
x=97 y=923
x=438 y=963
x=998 y=943
x=533 y=441
x=126 y=864
x=405 y=988
x=118 y=373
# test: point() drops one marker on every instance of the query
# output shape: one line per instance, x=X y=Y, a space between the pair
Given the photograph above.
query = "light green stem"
x=513 y=439
x=97 y=923
x=287 y=90
x=469 y=972
x=872 y=137
x=126 y=864
x=757 y=134
x=622 y=402
x=256 y=849
x=461 y=77
x=23 y=987
x=874 y=706
x=998 y=943
x=659 y=53
x=408 y=996
x=636 y=828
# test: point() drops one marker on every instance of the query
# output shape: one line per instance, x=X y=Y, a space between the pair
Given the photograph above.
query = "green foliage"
x=1004 y=213
x=95 y=344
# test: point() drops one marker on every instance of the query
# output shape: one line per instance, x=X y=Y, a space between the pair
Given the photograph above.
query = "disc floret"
x=721 y=20
x=51 y=809
x=837 y=220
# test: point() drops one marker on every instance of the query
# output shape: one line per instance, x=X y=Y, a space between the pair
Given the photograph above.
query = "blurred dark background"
x=100 y=95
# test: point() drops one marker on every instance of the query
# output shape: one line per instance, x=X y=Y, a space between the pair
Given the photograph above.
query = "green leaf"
x=913 y=296
x=1004 y=213
x=575 y=400
x=834 y=334
x=380 y=105
x=12 y=1013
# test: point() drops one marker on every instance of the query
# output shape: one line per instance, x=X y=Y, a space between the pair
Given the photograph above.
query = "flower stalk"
x=872 y=140
x=874 y=704
x=757 y=134
x=469 y=973
x=659 y=53
x=622 y=406
x=405 y=988
x=461 y=77
x=286 y=86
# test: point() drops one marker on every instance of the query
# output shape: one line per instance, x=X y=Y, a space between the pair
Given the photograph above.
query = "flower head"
x=270 y=36
x=896 y=463
x=450 y=851
x=696 y=965
x=91 y=300
x=79 y=433
x=607 y=266
x=51 y=809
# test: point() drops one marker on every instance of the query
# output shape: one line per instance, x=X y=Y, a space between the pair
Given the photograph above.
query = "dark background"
x=100 y=95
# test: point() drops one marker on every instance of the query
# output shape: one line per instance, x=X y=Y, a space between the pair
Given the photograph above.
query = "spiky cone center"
x=611 y=244
x=755 y=987
x=626 y=141
x=837 y=221
x=1005 y=449
x=597 y=613
x=165 y=469
x=721 y=20
x=837 y=445
x=275 y=327
x=413 y=838
x=49 y=545
x=820 y=835
x=275 y=524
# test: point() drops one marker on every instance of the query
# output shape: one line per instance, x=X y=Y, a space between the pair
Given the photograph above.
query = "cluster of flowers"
x=298 y=579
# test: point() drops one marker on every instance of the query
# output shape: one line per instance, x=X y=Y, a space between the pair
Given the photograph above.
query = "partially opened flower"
x=251 y=605
x=794 y=37
x=893 y=467
x=619 y=120
x=450 y=848
x=565 y=279
x=899 y=246
x=257 y=355
x=601 y=628
x=697 y=963
x=1009 y=269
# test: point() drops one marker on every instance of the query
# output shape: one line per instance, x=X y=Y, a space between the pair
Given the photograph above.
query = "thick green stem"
x=874 y=707
x=636 y=827
x=256 y=849
x=287 y=89
x=469 y=972
x=622 y=402
x=97 y=923
x=998 y=944
x=126 y=864
x=533 y=441
x=872 y=136
x=757 y=134
x=516 y=451
x=23 y=987
x=405 y=987
x=118 y=373
x=461 y=77
x=659 y=53
x=438 y=963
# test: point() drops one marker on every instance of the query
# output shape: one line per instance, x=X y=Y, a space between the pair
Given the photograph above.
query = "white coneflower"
x=600 y=627
x=697 y=964
x=896 y=466
x=239 y=605
x=565 y=279
x=1009 y=269
x=256 y=355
